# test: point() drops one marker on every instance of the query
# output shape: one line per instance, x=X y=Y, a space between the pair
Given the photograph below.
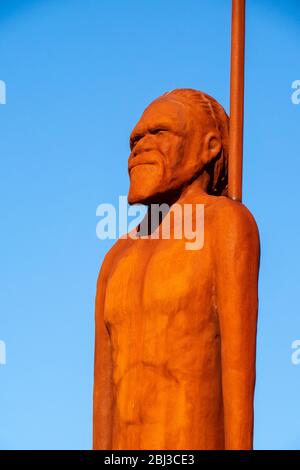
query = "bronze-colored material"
x=176 y=328
x=237 y=100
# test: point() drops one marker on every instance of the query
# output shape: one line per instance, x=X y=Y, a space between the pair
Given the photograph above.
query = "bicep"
x=237 y=264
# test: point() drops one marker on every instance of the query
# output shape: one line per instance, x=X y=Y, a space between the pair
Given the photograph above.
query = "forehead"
x=166 y=113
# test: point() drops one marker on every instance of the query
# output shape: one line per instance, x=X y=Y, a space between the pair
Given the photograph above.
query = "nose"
x=145 y=144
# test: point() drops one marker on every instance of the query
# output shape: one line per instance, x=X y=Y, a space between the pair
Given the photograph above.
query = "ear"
x=212 y=146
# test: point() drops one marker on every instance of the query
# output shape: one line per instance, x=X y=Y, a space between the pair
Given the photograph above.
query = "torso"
x=160 y=309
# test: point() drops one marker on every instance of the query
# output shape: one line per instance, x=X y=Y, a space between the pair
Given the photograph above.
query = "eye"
x=157 y=130
x=134 y=141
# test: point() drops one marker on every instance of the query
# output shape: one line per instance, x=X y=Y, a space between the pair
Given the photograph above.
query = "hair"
x=218 y=167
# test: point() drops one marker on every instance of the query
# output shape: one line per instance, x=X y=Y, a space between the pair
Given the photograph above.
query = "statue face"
x=166 y=146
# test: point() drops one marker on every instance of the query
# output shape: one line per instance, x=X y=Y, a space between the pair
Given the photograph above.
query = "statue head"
x=181 y=137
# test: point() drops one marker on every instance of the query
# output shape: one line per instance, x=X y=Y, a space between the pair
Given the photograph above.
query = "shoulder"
x=111 y=257
x=232 y=221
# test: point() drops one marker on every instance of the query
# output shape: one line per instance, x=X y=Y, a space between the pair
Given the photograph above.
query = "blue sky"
x=78 y=75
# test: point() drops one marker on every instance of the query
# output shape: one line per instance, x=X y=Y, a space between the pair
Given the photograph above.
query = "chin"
x=144 y=193
x=140 y=197
x=147 y=194
x=146 y=182
x=159 y=195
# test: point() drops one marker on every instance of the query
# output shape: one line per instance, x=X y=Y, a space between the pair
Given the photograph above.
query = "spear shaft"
x=235 y=176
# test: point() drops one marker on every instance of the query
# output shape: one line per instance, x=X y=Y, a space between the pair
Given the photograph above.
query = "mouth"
x=135 y=165
x=138 y=161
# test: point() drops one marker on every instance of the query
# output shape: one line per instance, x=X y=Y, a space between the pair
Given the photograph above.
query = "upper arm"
x=237 y=253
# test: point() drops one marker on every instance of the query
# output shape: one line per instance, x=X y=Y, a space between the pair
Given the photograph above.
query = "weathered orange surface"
x=176 y=329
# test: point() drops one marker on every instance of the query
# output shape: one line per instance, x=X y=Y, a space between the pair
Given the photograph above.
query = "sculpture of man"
x=176 y=328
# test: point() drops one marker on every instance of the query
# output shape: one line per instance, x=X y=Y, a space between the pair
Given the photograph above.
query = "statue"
x=176 y=328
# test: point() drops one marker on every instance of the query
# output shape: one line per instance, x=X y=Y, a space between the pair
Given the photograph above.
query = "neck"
x=195 y=190
x=189 y=194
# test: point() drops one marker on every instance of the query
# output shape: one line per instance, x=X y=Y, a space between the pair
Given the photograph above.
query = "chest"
x=152 y=277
